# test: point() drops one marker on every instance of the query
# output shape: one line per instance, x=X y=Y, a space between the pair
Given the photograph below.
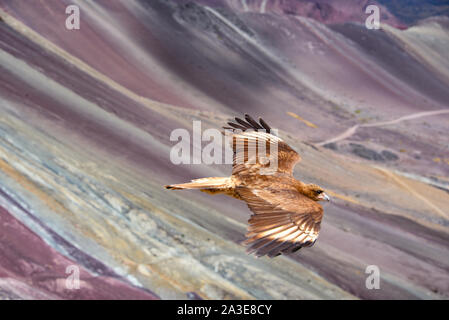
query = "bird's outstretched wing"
x=283 y=220
x=256 y=147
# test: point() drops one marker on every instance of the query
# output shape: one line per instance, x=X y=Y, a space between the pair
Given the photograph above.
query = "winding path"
x=349 y=132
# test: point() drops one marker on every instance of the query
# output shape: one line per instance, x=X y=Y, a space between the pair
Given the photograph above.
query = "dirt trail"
x=349 y=132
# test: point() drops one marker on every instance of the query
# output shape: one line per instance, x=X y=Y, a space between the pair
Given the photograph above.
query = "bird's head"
x=315 y=192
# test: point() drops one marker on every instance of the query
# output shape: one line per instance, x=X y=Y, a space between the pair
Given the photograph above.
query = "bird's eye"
x=319 y=191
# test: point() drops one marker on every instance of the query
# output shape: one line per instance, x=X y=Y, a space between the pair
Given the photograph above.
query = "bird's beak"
x=324 y=196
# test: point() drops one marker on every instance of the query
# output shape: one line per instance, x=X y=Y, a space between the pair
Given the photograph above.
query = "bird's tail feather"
x=204 y=183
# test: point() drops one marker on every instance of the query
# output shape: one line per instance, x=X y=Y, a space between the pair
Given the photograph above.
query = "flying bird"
x=286 y=215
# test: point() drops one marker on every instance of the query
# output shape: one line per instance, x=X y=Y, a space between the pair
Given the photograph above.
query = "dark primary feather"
x=237 y=126
x=265 y=125
x=249 y=123
x=243 y=123
x=252 y=122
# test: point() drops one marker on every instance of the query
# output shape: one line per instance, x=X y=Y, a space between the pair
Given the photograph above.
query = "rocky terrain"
x=85 y=123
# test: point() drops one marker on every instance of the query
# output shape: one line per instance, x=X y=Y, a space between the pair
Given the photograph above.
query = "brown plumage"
x=286 y=213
